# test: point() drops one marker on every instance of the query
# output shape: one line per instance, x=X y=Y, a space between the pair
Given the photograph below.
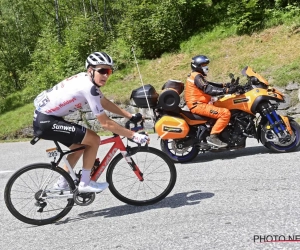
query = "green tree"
x=18 y=32
x=247 y=15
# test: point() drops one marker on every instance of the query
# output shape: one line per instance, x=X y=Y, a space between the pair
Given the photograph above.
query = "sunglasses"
x=104 y=71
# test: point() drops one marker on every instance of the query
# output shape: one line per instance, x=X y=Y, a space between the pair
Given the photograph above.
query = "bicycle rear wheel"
x=30 y=197
x=159 y=177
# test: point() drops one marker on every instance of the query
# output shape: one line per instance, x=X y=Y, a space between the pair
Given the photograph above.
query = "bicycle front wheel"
x=158 y=172
x=30 y=197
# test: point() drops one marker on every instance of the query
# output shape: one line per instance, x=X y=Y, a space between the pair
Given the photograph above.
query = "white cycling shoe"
x=61 y=185
x=92 y=187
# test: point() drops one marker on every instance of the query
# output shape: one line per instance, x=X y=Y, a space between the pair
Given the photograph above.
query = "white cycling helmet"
x=98 y=58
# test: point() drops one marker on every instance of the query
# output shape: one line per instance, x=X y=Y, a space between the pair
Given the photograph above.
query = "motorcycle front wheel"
x=178 y=154
x=289 y=146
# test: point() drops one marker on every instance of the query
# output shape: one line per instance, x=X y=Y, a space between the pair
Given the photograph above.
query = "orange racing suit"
x=197 y=94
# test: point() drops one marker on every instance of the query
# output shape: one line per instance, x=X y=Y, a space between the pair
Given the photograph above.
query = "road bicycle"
x=138 y=175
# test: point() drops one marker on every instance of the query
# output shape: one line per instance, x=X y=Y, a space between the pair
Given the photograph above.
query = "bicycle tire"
x=29 y=179
x=125 y=186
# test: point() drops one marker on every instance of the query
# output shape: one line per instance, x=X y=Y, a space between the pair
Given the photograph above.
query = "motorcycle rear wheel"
x=178 y=155
x=288 y=147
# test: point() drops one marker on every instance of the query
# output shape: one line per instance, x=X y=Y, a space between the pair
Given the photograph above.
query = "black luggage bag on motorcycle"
x=168 y=123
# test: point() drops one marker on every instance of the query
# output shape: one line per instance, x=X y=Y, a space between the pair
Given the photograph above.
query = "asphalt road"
x=228 y=200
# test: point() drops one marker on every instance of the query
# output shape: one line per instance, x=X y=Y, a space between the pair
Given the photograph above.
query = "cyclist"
x=198 y=92
x=70 y=95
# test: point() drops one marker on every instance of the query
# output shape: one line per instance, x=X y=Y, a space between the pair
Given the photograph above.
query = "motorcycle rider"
x=198 y=92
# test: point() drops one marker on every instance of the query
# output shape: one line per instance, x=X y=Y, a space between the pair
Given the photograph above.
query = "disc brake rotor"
x=270 y=136
x=178 y=147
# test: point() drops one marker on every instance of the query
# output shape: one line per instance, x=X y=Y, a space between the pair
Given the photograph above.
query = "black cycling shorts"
x=55 y=128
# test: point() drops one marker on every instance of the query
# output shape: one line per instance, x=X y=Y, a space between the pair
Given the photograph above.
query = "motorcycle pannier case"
x=170 y=127
x=139 y=96
x=169 y=99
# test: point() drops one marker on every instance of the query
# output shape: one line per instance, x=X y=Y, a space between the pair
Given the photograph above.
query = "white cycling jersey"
x=70 y=95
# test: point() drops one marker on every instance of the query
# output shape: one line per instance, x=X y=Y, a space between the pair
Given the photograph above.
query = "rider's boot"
x=215 y=141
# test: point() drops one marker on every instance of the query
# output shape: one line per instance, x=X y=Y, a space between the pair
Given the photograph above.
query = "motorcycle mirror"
x=231 y=75
x=254 y=80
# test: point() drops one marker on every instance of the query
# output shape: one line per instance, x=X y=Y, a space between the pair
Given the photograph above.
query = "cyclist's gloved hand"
x=140 y=138
x=136 y=117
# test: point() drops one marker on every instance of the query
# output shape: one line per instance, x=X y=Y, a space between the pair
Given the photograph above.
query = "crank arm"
x=58 y=196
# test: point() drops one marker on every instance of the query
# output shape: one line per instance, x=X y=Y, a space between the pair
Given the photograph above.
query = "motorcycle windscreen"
x=248 y=71
x=170 y=127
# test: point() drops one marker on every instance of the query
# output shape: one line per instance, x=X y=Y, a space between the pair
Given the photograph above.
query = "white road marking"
x=6 y=171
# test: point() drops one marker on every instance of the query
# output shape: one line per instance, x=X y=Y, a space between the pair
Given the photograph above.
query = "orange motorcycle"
x=253 y=115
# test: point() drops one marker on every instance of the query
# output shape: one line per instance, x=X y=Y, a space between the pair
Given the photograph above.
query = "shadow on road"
x=210 y=156
x=175 y=201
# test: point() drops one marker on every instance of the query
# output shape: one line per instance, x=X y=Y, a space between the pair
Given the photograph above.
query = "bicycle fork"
x=127 y=156
x=133 y=165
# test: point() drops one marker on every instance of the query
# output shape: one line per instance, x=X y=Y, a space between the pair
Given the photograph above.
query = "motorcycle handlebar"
x=240 y=89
